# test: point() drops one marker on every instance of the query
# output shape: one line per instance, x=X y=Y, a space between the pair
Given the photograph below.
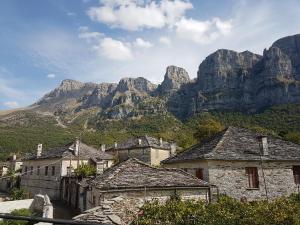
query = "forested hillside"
x=24 y=130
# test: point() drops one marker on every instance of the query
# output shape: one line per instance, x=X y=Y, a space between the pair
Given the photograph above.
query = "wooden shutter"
x=252 y=173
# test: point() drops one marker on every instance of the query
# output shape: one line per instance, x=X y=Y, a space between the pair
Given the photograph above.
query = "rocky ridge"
x=226 y=80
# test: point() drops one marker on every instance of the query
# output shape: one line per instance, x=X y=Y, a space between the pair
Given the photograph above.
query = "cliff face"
x=226 y=80
x=175 y=78
x=245 y=81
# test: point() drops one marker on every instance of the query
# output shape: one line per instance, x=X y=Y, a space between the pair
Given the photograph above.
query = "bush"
x=85 y=170
x=18 y=212
x=17 y=194
x=227 y=211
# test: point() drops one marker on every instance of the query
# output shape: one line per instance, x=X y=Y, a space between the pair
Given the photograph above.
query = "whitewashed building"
x=43 y=171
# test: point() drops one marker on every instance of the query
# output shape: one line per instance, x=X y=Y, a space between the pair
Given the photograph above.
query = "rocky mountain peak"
x=290 y=46
x=139 y=84
x=174 y=78
x=225 y=68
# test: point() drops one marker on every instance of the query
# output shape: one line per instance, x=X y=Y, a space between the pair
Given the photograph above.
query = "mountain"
x=226 y=80
x=237 y=88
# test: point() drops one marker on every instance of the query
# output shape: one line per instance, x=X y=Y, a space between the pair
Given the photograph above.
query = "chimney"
x=264 y=145
x=39 y=150
x=14 y=157
x=160 y=141
x=140 y=141
x=173 y=149
x=103 y=147
x=76 y=150
x=116 y=144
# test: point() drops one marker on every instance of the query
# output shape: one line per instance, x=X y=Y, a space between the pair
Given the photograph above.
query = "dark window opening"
x=53 y=170
x=296 y=172
x=252 y=173
x=199 y=173
x=31 y=170
x=38 y=170
x=46 y=171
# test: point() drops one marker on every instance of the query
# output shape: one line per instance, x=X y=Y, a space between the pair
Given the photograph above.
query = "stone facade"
x=152 y=156
x=39 y=182
x=96 y=197
x=145 y=148
x=275 y=178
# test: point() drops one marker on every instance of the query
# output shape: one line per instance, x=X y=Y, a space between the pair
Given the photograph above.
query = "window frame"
x=252 y=177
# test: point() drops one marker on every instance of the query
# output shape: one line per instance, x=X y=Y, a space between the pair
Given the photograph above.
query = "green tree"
x=208 y=128
x=85 y=170
x=293 y=137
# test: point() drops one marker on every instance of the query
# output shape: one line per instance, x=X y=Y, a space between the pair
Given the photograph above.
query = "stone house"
x=12 y=164
x=118 y=193
x=147 y=149
x=243 y=164
x=43 y=171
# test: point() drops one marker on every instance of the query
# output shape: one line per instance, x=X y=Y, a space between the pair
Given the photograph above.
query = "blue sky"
x=43 y=42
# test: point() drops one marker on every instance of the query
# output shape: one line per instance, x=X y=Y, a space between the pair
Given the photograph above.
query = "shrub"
x=85 y=170
x=227 y=211
x=17 y=193
x=18 y=212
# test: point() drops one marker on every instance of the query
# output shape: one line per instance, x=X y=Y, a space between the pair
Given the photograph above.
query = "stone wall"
x=35 y=183
x=232 y=180
x=146 y=195
x=151 y=156
x=157 y=155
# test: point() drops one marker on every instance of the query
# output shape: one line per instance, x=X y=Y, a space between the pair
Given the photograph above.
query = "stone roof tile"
x=133 y=173
x=239 y=144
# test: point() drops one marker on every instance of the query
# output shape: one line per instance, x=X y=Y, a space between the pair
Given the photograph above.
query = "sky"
x=43 y=42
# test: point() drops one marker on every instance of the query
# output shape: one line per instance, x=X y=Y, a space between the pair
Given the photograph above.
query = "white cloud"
x=89 y=36
x=11 y=104
x=114 y=49
x=202 y=32
x=140 y=43
x=51 y=75
x=137 y=14
x=165 y=40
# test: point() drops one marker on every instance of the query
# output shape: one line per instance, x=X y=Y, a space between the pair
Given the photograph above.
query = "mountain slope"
x=235 y=88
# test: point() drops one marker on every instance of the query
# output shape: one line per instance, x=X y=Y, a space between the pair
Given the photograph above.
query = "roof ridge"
x=222 y=135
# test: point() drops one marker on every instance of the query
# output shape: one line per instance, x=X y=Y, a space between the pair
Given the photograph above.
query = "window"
x=199 y=173
x=46 y=170
x=252 y=174
x=94 y=200
x=31 y=170
x=53 y=170
x=296 y=172
x=25 y=170
x=38 y=170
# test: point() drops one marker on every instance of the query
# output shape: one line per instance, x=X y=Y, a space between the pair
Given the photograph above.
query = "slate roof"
x=145 y=142
x=239 y=144
x=117 y=211
x=66 y=151
x=134 y=173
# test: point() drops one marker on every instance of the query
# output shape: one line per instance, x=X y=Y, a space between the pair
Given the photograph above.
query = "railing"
x=46 y=220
